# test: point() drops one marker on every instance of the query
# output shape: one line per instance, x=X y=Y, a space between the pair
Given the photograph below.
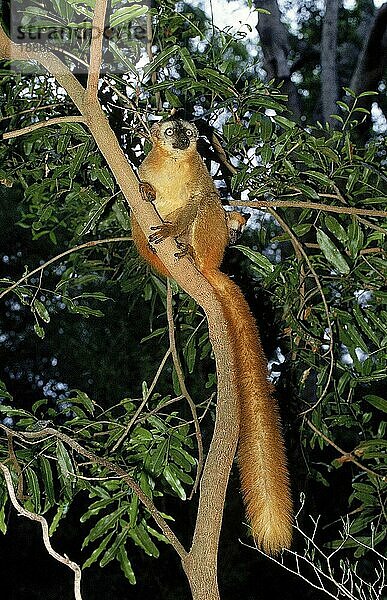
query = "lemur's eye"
x=189 y=132
x=169 y=131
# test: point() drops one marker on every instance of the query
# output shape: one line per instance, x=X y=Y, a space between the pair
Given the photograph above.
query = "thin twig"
x=143 y=403
x=298 y=248
x=48 y=123
x=348 y=455
x=183 y=387
x=34 y=109
x=45 y=531
x=311 y=205
x=90 y=244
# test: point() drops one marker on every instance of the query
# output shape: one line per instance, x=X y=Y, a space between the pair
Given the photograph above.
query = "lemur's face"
x=175 y=135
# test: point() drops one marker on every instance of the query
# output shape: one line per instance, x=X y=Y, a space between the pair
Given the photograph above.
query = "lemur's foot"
x=147 y=191
x=162 y=232
x=184 y=249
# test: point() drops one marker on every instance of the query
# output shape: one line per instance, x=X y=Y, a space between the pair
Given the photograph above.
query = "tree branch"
x=183 y=387
x=203 y=556
x=121 y=473
x=45 y=532
x=48 y=123
x=349 y=210
x=347 y=456
x=90 y=244
x=96 y=45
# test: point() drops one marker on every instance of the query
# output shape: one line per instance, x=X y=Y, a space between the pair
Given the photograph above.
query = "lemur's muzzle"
x=181 y=143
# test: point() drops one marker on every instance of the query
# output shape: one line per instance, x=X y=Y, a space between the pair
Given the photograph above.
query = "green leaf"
x=257 y=258
x=41 y=310
x=161 y=59
x=94 y=215
x=286 y=123
x=377 y=402
x=368 y=93
x=3 y=524
x=48 y=481
x=83 y=399
x=307 y=190
x=65 y=467
x=364 y=325
x=174 y=482
x=188 y=63
x=266 y=154
x=39 y=331
x=98 y=551
x=104 y=524
x=133 y=510
x=356 y=238
x=320 y=177
x=126 y=14
x=125 y=565
x=61 y=512
x=334 y=227
x=343 y=105
x=122 y=214
x=157 y=458
x=78 y=159
x=141 y=538
x=117 y=52
x=190 y=354
x=105 y=178
x=266 y=128
x=331 y=253
x=33 y=488
x=112 y=551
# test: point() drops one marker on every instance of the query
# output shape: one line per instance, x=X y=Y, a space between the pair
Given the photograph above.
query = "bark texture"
x=373 y=58
x=276 y=50
x=329 y=80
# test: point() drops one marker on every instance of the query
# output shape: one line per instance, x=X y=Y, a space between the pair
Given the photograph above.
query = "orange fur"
x=186 y=197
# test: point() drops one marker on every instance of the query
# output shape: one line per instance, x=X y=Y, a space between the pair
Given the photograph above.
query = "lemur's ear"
x=155 y=130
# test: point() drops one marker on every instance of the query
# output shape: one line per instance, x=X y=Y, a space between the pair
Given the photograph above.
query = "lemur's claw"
x=161 y=232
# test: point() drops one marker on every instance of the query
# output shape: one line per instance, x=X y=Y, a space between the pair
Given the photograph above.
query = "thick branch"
x=11 y=51
x=98 y=28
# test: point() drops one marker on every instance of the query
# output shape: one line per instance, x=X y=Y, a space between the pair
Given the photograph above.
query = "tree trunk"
x=329 y=81
x=276 y=50
x=373 y=58
x=370 y=68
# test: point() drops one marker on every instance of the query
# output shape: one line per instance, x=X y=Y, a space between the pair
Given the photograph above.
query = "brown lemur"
x=175 y=178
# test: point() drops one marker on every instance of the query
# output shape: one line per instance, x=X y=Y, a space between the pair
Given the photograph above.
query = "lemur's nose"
x=182 y=142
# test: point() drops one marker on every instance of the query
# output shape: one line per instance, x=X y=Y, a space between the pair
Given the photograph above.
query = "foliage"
x=323 y=271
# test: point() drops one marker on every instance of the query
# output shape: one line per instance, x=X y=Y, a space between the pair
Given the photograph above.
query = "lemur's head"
x=175 y=136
